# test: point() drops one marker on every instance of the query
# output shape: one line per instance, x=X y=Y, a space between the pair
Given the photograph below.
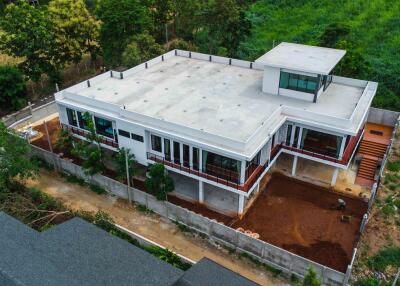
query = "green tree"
x=27 y=33
x=353 y=64
x=161 y=12
x=224 y=26
x=186 y=15
x=181 y=44
x=311 y=279
x=12 y=88
x=120 y=159
x=333 y=33
x=90 y=150
x=15 y=159
x=158 y=182
x=142 y=48
x=75 y=29
x=121 y=20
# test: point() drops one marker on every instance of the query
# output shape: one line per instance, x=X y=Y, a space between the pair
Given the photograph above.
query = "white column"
x=292 y=135
x=191 y=157
x=241 y=204
x=201 y=191
x=299 y=139
x=171 y=148
x=200 y=160
x=334 y=177
x=242 y=172
x=294 y=166
x=181 y=153
x=342 y=145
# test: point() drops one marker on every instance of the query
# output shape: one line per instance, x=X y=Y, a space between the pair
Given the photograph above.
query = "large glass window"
x=72 y=120
x=195 y=158
x=167 y=149
x=82 y=122
x=186 y=151
x=288 y=135
x=104 y=127
x=322 y=143
x=221 y=166
x=156 y=143
x=298 y=82
x=177 y=153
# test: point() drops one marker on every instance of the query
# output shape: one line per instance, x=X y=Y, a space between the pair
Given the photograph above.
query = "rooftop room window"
x=298 y=82
x=156 y=143
x=104 y=127
x=72 y=120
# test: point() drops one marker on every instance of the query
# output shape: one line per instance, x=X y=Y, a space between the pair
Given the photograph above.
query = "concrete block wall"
x=288 y=262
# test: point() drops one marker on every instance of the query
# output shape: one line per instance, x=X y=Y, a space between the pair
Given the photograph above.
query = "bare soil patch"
x=302 y=218
x=200 y=209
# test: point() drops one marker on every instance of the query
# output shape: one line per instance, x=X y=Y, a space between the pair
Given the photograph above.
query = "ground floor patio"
x=321 y=174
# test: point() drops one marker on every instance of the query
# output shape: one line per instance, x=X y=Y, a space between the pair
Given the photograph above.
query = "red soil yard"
x=302 y=218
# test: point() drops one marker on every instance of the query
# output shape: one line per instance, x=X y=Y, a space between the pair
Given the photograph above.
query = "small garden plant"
x=158 y=182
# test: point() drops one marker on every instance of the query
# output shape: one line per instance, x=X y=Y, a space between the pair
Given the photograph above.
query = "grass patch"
x=393 y=166
x=275 y=272
x=384 y=258
x=182 y=227
x=97 y=189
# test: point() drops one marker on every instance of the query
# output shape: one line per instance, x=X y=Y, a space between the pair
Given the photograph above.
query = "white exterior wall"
x=137 y=148
x=271 y=80
x=297 y=94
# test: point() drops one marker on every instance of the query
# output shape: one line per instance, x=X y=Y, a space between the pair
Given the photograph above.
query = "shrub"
x=384 y=258
x=168 y=256
x=97 y=189
x=311 y=279
x=393 y=166
x=158 y=182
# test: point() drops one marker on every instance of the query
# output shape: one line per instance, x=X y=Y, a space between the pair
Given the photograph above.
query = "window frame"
x=152 y=141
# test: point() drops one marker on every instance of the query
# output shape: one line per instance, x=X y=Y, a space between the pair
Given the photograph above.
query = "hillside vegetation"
x=368 y=29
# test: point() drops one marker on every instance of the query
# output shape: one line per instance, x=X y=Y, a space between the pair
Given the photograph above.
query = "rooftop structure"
x=305 y=58
x=79 y=253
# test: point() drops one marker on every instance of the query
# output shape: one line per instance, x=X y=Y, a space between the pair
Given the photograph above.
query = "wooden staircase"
x=367 y=169
x=372 y=149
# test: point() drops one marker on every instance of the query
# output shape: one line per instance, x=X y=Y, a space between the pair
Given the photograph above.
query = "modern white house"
x=223 y=122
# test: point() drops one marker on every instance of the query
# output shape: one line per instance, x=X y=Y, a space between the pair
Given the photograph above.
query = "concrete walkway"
x=151 y=226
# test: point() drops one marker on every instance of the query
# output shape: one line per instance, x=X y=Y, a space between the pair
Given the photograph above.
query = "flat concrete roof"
x=220 y=99
x=305 y=58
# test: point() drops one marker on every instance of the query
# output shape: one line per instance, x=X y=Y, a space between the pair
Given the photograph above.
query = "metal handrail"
x=226 y=182
x=85 y=133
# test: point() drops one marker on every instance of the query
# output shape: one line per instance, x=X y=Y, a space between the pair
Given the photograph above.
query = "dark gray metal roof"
x=79 y=253
x=206 y=272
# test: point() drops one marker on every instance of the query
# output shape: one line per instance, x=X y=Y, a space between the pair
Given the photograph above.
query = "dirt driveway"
x=150 y=226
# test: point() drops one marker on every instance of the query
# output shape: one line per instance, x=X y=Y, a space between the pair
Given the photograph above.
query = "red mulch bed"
x=302 y=218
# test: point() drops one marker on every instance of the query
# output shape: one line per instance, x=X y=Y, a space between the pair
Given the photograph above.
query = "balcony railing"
x=347 y=154
x=85 y=133
x=218 y=177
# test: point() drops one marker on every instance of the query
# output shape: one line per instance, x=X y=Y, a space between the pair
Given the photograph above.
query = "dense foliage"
x=15 y=160
x=12 y=88
x=369 y=30
x=56 y=33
